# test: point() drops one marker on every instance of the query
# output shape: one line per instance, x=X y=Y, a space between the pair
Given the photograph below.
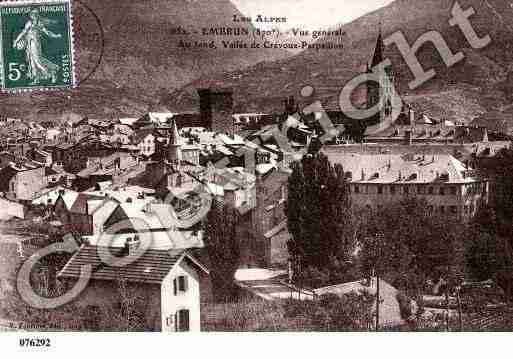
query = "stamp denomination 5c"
x=36 y=40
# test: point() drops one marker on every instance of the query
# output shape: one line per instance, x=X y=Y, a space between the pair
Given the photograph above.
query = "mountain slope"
x=141 y=57
x=479 y=81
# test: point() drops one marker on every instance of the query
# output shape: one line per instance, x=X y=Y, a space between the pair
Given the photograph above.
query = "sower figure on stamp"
x=39 y=67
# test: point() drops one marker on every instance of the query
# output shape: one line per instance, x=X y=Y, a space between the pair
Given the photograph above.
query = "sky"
x=309 y=14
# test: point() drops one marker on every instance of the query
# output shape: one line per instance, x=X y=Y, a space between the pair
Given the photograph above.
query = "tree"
x=223 y=249
x=499 y=170
x=493 y=244
x=408 y=245
x=131 y=314
x=319 y=218
x=487 y=253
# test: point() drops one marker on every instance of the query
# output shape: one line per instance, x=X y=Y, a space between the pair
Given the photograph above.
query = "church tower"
x=174 y=149
x=383 y=92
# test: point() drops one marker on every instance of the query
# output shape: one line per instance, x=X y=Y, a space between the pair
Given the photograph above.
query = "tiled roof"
x=128 y=121
x=141 y=134
x=397 y=168
x=419 y=132
x=50 y=171
x=68 y=198
x=151 y=267
x=160 y=240
x=80 y=203
x=276 y=229
x=160 y=117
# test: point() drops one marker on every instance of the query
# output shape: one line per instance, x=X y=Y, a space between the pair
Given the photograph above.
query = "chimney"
x=132 y=245
x=147 y=208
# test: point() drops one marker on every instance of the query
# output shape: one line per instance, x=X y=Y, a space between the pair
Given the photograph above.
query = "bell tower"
x=381 y=93
x=174 y=149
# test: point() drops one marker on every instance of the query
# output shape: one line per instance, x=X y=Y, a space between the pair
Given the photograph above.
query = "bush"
x=352 y=312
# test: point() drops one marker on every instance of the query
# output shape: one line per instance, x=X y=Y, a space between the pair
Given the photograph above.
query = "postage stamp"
x=36 y=40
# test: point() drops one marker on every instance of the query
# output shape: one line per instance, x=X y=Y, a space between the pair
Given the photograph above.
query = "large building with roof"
x=447 y=184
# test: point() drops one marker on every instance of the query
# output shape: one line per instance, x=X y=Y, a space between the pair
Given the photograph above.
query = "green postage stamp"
x=36 y=45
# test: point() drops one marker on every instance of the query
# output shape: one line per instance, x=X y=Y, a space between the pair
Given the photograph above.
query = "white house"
x=145 y=141
x=167 y=280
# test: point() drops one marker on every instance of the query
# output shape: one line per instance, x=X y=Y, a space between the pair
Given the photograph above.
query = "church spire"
x=379 y=51
x=174 y=136
x=174 y=153
x=381 y=93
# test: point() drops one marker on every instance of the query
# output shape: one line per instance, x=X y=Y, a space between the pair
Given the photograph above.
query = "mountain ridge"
x=141 y=57
x=479 y=77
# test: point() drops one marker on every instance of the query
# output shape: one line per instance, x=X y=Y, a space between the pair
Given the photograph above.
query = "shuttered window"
x=180 y=285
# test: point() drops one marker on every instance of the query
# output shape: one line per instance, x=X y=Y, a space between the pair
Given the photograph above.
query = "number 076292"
x=35 y=342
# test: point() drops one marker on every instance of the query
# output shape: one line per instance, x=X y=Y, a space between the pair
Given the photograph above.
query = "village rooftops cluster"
x=115 y=184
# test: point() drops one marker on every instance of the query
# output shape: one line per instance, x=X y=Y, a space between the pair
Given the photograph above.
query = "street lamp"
x=379 y=237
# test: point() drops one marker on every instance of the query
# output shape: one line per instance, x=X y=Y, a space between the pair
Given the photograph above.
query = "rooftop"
x=159 y=240
x=401 y=168
x=151 y=267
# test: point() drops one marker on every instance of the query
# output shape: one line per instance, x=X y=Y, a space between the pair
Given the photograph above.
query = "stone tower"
x=216 y=110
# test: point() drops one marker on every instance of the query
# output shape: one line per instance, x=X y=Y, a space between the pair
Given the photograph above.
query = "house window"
x=442 y=191
x=431 y=190
x=182 y=320
x=380 y=189
x=454 y=191
x=356 y=189
x=180 y=284
x=392 y=190
x=406 y=190
x=442 y=209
